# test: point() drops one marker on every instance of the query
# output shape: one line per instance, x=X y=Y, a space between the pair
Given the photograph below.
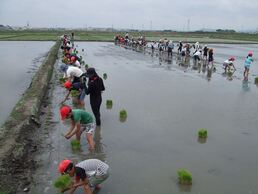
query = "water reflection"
x=245 y=86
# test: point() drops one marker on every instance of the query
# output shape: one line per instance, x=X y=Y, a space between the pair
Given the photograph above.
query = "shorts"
x=96 y=180
x=82 y=95
x=196 y=57
x=89 y=128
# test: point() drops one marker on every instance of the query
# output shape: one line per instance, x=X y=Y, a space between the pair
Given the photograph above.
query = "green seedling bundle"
x=256 y=80
x=123 y=114
x=86 y=66
x=104 y=76
x=62 y=80
x=75 y=144
x=63 y=182
x=184 y=177
x=109 y=104
x=74 y=93
x=202 y=133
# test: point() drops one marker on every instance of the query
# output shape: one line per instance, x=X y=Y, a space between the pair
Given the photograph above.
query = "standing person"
x=180 y=47
x=248 y=62
x=80 y=121
x=170 y=48
x=95 y=88
x=210 y=59
x=228 y=64
x=78 y=86
x=83 y=173
x=205 y=52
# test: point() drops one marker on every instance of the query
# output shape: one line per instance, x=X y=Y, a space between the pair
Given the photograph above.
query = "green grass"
x=184 y=177
x=63 y=182
x=202 y=133
x=203 y=37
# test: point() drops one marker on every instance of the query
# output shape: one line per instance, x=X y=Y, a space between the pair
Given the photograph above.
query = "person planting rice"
x=88 y=173
x=205 y=52
x=197 y=56
x=80 y=121
x=248 y=62
x=75 y=62
x=80 y=87
x=94 y=89
x=180 y=46
x=73 y=74
x=228 y=64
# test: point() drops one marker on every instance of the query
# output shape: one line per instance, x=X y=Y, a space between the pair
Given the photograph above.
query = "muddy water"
x=19 y=62
x=166 y=103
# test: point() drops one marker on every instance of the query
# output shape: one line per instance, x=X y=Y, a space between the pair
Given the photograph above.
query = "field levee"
x=17 y=135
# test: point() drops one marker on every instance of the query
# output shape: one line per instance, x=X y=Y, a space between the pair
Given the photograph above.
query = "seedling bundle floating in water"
x=63 y=182
x=256 y=80
x=123 y=115
x=74 y=93
x=76 y=145
x=184 y=177
x=109 y=104
x=202 y=133
x=86 y=66
x=104 y=76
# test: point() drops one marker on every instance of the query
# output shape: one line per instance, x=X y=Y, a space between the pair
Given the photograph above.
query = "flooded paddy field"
x=19 y=62
x=166 y=104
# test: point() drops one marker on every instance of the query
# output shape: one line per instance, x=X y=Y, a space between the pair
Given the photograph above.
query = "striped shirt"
x=96 y=165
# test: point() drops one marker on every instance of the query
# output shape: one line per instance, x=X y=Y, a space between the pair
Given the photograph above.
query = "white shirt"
x=77 y=64
x=73 y=72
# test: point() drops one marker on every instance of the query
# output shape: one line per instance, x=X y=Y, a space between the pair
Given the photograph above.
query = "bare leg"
x=90 y=141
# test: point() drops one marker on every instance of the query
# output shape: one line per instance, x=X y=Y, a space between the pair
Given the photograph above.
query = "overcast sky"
x=136 y=14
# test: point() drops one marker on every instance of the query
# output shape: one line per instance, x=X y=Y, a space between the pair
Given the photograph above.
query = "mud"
x=18 y=135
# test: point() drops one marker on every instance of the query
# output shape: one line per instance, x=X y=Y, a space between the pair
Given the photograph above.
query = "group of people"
x=130 y=41
x=91 y=172
x=199 y=53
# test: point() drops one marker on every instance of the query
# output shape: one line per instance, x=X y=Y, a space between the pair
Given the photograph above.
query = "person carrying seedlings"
x=94 y=89
x=88 y=173
x=78 y=86
x=81 y=121
x=228 y=64
x=73 y=74
x=248 y=62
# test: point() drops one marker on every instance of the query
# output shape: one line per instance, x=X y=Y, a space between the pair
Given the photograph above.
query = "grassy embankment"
x=204 y=37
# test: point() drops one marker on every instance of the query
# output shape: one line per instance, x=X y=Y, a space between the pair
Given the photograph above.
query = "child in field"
x=80 y=121
x=248 y=62
x=78 y=86
x=228 y=64
x=83 y=173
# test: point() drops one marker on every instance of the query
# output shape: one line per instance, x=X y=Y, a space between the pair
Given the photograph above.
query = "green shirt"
x=81 y=116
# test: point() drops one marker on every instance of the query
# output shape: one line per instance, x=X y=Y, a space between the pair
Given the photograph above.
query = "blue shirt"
x=248 y=61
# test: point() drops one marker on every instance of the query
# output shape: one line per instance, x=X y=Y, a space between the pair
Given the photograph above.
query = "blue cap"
x=63 y=67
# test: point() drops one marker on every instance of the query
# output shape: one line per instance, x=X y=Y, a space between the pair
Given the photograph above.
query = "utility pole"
x=151 y=25
x=188 y=25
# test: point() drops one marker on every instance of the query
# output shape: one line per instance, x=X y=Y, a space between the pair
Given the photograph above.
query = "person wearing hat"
x=94 y=89
x=248 y=62
x=75 y=62
x=73 y=74
x=228 y=64
x=81 y=121
x=88 y=173
x=78 y=86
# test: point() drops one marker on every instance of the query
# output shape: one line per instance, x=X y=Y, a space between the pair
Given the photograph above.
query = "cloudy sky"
x=136 y=14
